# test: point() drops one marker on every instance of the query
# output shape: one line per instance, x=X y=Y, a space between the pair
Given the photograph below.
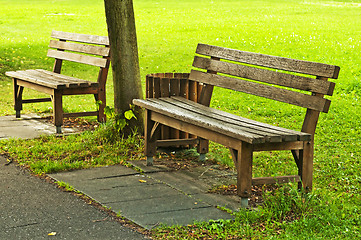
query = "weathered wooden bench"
x=255 y=74
x=80 y=48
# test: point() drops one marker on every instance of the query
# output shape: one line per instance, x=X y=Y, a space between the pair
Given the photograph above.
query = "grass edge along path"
x=315 y=30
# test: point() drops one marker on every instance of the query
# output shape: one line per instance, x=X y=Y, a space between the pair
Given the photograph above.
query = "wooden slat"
x=36 y=100
x=66 y=78
x=266 y=76
x=196 y=130
x=278 y=146
x=184 y=86
x=95 y=61
x=164 y=92
x=174 y=87
x=274 y=180
x=262 y=90
x=247 y=122
x=35 y=86
x=158 y=105
x=270 y=134
x=82 y=48
x=149 y=86
x=23 y=75
x=174 y=91
x=275 y=134
x=299 y=66
x=84 y=38
x=156 y=87
x=69 y=82
x=164 y=87
x=176 y=142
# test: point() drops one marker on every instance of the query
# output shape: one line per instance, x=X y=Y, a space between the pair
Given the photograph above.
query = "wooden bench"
x=80 y=48
x=282 y=79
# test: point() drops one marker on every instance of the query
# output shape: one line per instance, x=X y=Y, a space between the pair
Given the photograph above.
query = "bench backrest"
x=266 y=78
x=81 y=48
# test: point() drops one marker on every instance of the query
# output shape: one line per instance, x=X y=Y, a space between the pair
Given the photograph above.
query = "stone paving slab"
x=140 y=198
x=197 y=182
x=182 y=217
x=28 y=126
x=94 y=174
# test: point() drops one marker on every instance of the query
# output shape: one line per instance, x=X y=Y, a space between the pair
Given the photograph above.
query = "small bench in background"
x=300 y=83
x=81 y=48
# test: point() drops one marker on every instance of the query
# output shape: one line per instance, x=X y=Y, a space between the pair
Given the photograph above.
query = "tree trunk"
x=124 y=56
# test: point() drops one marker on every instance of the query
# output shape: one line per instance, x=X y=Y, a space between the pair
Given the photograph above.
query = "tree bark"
x=124 y=56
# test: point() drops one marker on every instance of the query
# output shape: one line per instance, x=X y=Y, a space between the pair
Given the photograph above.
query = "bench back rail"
x=240 y=67
x=80 y=48
x=74 y=46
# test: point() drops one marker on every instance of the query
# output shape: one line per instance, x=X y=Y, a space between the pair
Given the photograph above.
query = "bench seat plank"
x=50 y=79
x=24 y=75
x=287 y=135
x=302 y=136
x=68 y=79
x=186 y=110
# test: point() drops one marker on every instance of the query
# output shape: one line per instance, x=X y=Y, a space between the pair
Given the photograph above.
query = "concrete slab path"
x=159 y=196
x=149 y=199
x=28 y=126
x=31 y=209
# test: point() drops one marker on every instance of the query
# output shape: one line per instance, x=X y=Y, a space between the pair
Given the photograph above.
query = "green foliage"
x=286 y=214
x=50 y=154
x=66 y=186
x=112 y=130
x=315 y=30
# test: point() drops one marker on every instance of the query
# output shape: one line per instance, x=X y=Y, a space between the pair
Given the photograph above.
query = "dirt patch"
x=79 y=123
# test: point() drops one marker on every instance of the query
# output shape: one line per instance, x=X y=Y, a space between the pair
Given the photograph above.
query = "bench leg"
x=306 y=166
x=151 y=129
x=58 y=110
x=202 y=148
x=18 y=98
x=101 y=97
x=243 y=159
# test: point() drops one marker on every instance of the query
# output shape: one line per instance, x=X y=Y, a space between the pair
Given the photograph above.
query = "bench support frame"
x=243 y=137
x=98 y=45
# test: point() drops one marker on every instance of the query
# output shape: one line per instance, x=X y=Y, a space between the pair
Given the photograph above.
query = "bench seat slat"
x=270 y=136
x=94 y=61
x=176 y=108
x=288 y=134
x=84 y=38
x=262 y=90
x=50 y=79
x=159 y=106
x=77 y=82
x=274 y=135
x=82 y=48
x=24 y=75
x=287 y=64
x=266 y=76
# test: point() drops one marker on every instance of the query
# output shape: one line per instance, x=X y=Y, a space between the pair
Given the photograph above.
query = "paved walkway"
x=28 y=126
x=31 y=209
x=158 y=196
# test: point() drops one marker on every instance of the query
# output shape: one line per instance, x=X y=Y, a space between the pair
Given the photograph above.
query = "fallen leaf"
x=52 y=234
x=142 y=181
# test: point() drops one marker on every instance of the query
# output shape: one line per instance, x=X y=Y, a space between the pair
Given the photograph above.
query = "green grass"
x=168 y=32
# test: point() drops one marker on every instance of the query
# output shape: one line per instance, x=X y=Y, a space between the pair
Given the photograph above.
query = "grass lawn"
x=168 y=32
